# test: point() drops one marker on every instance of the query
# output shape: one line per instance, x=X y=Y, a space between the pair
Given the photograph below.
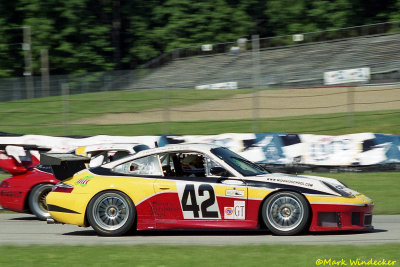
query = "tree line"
x=102 y=35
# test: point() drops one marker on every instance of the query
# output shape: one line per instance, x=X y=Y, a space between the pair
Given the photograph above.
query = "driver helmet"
x=193 y=164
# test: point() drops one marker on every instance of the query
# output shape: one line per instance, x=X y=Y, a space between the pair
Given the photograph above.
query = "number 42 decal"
x=198 y=201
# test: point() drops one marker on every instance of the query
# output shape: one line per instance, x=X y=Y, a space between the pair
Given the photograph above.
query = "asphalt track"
x=23 y=229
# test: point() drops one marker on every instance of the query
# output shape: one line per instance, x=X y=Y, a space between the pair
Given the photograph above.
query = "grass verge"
x=51 y=109
x=331 y=124
x=253 y=255
x=55 y=116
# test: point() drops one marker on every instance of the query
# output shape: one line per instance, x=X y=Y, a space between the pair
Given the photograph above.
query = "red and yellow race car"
x=198 y=186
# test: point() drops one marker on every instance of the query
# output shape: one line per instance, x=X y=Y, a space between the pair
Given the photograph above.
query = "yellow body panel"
x=121 y=183
x=258 y=192
x=358 y=200
x=81 y=151
x=78 y=202
x=85 y=188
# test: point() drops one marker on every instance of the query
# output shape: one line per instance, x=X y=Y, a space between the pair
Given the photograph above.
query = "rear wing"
x=22 y=152
x=64 y=165
x=26 y=147
x=19 y=158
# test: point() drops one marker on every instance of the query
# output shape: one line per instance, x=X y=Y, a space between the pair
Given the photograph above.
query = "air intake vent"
x=356 y=218
x=328 y=219
x=367 y=219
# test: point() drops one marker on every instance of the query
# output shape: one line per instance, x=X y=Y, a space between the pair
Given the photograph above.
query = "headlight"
x=339 y=189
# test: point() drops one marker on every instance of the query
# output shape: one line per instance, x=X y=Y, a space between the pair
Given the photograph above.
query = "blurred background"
x=86 y=67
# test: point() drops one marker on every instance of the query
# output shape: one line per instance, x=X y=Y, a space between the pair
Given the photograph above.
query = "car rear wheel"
x=37 y=201
x=286 y=213
x=111 y=213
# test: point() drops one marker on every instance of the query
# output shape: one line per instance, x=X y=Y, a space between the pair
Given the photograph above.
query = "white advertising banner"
x=215 y=86
x=347 y=76
x=360 y=149
x=330 y=150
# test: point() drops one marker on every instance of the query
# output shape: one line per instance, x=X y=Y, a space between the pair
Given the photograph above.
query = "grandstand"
x=287 y=66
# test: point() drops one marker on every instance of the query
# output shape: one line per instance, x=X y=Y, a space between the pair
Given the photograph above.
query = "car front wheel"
x=111 y=213
x=286 y=213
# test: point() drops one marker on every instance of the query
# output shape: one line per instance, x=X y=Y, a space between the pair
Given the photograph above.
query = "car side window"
x=210 y=164
x=187 y=164
x=183 y=164
x=149 y=165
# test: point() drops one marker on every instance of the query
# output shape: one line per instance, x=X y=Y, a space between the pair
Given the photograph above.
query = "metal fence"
x=19 y=88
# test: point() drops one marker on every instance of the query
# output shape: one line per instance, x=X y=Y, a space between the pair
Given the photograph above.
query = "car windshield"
x=240 y=164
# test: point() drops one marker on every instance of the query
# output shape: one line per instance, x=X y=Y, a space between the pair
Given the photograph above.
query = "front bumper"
x=339 y=217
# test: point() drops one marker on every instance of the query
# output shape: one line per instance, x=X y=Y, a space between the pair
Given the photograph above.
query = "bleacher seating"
x=295 y=65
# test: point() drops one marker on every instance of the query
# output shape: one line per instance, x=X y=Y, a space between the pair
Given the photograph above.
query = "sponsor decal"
x=84 y=180
x=198 y=201
x=238 y=212
x=163 y=209
x=228 y=211
x=234 y=193
x=6 y=193
x=300 y=183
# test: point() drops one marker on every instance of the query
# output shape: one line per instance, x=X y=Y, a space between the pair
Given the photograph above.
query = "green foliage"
x=99 y=35
x=290 y=17
x=11 y=58
x=185 y=23
x=77 y=37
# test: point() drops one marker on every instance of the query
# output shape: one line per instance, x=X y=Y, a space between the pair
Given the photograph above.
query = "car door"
x=190 y=196
x=142 y=172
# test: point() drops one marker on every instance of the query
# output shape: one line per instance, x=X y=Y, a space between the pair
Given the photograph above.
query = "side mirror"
x=219 y=171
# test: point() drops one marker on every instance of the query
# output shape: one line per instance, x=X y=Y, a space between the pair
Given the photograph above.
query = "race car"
x=27 y=189
x=155 y=189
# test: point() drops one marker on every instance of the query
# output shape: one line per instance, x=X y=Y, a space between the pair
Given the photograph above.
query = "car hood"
x=323 y=184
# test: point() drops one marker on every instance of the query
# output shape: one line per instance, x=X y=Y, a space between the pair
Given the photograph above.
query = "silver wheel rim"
x=39 y=203
x=110 y=211
x=285 y=213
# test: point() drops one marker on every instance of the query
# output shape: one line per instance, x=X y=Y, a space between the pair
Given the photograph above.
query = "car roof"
x=111 y=146
x=202 y=148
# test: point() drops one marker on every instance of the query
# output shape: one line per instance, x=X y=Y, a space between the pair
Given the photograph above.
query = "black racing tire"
x=111 y=213
x=37 y=201
x=286 y=213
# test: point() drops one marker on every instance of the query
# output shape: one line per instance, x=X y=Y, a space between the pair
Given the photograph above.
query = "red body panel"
x=345 y=212
x=164 y=211
x=13 y=197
